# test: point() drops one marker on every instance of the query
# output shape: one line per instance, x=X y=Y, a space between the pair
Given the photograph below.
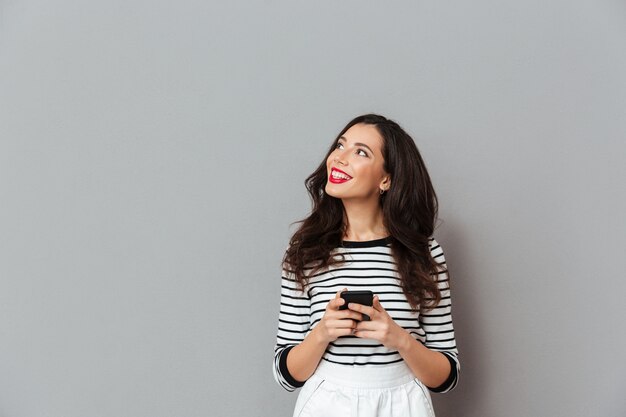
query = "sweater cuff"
x=282 y=364
x=451 y=377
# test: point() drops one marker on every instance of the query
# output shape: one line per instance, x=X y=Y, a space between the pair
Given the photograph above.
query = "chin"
x=331 y=193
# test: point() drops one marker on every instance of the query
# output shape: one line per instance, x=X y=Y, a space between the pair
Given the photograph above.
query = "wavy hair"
x=409 y=209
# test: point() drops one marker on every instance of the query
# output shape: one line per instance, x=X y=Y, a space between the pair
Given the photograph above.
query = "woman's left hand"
x=380 y=327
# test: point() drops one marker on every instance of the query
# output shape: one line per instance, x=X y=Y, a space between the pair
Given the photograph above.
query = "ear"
x=386 y=183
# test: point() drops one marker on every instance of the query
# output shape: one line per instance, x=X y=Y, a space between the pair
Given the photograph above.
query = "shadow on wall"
x=465 y=399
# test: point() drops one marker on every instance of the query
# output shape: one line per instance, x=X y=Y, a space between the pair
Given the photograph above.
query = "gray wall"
x=153 y=154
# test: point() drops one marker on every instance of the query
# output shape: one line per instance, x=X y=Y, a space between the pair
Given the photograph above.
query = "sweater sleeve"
x=293 y=326
x=437 y=323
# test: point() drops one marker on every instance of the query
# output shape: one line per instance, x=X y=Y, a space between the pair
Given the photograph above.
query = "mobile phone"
x=364 y=297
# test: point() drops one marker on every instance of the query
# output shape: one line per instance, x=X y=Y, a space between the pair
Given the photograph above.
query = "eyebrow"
x=357 y=143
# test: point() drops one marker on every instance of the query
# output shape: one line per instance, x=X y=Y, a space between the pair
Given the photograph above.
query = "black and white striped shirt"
x=369 y=265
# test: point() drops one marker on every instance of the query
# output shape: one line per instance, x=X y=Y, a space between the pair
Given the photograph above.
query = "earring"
x=381 y=191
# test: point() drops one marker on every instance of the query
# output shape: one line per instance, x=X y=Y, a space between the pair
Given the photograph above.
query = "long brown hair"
x=409 y=214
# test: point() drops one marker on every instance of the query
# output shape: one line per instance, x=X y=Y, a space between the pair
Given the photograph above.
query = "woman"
x=370 y=229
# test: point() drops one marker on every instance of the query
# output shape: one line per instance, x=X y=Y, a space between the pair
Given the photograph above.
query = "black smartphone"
x=364 y=297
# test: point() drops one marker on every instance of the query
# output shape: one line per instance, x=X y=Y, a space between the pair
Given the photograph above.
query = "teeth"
x=337 y=174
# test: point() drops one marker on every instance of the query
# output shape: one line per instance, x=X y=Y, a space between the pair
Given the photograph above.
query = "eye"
x=358 y=150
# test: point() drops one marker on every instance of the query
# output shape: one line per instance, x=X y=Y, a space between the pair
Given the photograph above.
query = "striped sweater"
x=369 y=265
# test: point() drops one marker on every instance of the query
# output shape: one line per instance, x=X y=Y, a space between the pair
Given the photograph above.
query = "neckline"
x=384 y=241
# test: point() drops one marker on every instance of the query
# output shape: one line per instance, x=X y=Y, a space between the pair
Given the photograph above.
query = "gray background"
x=153 y=154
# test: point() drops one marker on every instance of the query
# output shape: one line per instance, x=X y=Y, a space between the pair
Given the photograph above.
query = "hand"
x=337 y=322
x=381 y=326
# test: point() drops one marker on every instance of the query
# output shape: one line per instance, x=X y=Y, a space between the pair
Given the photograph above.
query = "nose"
x=339 y=158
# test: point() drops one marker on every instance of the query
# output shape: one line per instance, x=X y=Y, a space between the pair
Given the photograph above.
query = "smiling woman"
x=370 y=229
x=353 y=154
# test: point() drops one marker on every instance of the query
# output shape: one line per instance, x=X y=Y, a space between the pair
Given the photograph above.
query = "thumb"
x=338 y=295
x=377 y=305
x=336 y=304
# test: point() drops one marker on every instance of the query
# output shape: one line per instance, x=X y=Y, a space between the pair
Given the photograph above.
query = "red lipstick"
x=338 y=180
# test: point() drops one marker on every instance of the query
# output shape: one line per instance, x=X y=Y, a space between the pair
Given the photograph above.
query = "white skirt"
x=363 y=391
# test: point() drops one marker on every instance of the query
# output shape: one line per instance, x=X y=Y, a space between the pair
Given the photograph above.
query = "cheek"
x=363 y=171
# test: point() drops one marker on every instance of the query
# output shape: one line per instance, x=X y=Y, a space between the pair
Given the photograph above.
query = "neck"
x=363 y=220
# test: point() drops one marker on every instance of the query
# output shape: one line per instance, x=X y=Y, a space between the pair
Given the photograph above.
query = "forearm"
x=430 y=367
x=302 y=360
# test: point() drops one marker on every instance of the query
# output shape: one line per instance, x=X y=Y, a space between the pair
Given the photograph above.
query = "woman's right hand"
x=337 y=322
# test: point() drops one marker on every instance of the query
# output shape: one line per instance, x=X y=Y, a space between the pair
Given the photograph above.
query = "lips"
x=338 y=180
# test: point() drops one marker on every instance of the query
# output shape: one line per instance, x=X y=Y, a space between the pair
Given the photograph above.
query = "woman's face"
x=358 y=154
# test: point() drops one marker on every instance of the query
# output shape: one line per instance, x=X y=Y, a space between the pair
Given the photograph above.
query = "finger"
x=366 y=325
x=362 y=309
x=336 y=302
x=345 y=314
x=342 y=324
x=344 y=332
x=349 y=314
x=338 y=295
x=377 y=305
x=365 y=334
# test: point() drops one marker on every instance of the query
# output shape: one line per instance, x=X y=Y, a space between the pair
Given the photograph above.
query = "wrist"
x=318 y=337
x=404 y=341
